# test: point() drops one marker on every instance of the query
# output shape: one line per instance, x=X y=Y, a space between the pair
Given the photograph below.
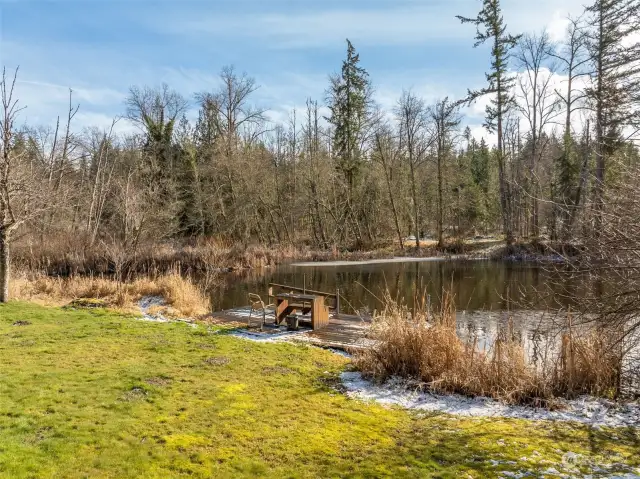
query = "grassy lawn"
x=97 y=394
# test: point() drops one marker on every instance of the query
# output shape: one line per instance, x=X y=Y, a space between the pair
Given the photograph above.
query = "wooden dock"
x=344 y=331
x=327 y=326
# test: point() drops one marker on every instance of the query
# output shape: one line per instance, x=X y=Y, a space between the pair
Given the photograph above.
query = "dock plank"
x=343 y=331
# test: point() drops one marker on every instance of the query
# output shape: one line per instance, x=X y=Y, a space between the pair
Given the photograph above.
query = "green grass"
x=97 y=394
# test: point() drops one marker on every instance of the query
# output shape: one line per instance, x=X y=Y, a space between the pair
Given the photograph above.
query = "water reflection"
x=477 y=285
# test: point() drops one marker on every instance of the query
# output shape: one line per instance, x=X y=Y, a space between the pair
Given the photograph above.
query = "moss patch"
x=97 y=394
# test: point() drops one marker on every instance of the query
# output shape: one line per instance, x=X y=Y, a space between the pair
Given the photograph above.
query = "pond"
x=476 y=285
x=529 y=299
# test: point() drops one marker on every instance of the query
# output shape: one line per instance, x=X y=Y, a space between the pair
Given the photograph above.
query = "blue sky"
x=102 y=47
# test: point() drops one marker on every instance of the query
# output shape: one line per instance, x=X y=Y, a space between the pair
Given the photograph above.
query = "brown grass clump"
x=181 y=294
x=425 y=347
x=590 y=362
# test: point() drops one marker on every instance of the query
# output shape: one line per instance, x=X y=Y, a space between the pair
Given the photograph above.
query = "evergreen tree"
x=616 y=90
x=349 y=98
x=490 y=27
x=480 y=164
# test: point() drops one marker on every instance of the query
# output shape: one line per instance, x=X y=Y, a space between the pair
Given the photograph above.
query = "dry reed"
x=184 y=297
x=424 y=346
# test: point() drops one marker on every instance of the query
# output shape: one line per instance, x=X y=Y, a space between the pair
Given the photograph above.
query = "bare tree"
x=236 y=123
x=313 y=150
x=155 y=111
x=100 y=149
x=8 y=220
x=539 y=107
x=24 y=195
x=415 y=141
x=572 y=55
x=231 y=106
x=386 y=153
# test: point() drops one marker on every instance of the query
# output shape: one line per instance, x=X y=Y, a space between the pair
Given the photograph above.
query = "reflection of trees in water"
x=485 y=290
x=476 y=285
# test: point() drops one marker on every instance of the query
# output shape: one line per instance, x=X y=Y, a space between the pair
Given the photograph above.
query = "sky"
x=100 y=48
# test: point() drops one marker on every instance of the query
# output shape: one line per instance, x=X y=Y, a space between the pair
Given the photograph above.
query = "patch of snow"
x=244 y=313
x=586 y=410
x=148 y=302
x=259 y=337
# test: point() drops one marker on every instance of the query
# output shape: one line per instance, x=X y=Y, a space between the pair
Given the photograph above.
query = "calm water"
x=489 y=296
x=477 y=285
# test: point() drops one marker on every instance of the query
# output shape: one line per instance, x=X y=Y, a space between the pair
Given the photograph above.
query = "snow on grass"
x=152 y=308
x=586 y=410
x=149 y=302
x=261 y=337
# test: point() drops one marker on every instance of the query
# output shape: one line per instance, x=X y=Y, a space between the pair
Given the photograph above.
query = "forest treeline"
x=342 y=173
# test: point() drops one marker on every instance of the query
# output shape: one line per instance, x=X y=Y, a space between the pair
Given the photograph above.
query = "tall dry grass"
x=67 y=255
x=184 y=297
x=424 y=346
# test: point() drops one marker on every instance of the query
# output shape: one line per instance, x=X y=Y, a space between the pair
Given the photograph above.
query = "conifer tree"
x=490 y=27
x=349 y=98
x=615 y=93
x=348 y=101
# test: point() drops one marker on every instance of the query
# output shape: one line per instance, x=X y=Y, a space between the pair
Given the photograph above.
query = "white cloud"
x=557 y=28
x=478 y=131
x=388 y=23
x=122 y=126
x=390 y=26
x=532 y=16
x=44 y=102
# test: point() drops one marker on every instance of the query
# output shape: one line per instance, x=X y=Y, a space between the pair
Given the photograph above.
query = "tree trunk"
x=414 y=197
x=393 y=208
x=4 y=265
x=504 y=195
x=440 y=193
x=599 y=150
